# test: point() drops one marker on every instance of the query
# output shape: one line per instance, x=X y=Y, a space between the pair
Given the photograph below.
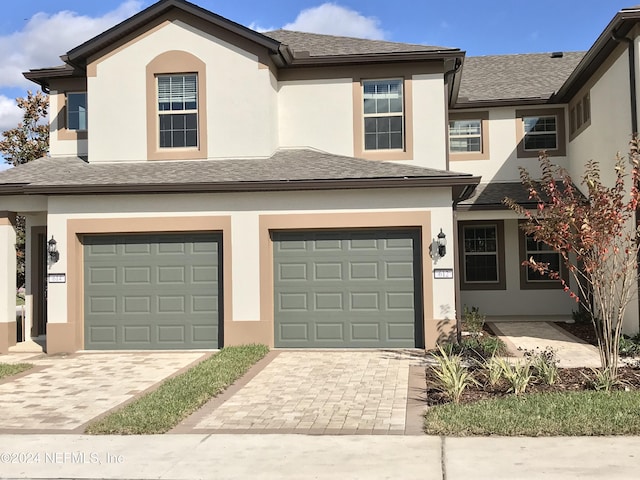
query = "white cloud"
x=333 y=19
x=10 y=114
x=45 y=37
x=259 y=28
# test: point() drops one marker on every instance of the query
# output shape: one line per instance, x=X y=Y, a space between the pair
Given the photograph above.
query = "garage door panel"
x=159 y=295
x=361 y=293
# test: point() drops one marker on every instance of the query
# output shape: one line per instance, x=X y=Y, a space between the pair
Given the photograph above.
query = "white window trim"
x=466 y=136
x=530 y=134
x=177 y=112
x=401 y=114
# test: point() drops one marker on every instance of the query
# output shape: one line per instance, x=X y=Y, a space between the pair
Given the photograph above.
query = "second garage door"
x=156 y=291
x=347 y=289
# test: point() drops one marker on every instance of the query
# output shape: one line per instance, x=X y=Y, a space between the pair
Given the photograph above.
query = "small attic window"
x=557 y=55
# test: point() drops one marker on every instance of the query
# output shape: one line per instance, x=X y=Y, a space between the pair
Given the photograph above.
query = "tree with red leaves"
x=595 y=234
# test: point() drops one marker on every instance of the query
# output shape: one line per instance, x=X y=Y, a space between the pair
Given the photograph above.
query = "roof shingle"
x=502 y=77
x=285 y=166
x=320 y=45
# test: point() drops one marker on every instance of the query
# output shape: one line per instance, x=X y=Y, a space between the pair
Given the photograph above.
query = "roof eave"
x=502 y=102
x=619 y=26
x=373 y=58
x=258 y=186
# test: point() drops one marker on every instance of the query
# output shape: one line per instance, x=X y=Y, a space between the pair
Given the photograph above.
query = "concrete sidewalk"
x=262 y=457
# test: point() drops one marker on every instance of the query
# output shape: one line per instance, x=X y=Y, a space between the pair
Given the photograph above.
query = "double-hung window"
x=541 y=253
x=540 y=133
x=77 y=111
x=482 y=255
x=383 y=114
x=465 y=136
x=178 y=110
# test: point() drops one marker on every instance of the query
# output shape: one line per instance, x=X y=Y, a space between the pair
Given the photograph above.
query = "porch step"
x=29 y=346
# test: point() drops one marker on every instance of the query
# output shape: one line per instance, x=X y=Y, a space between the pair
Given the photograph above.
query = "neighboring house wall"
x=247 y=294
x=64 y=142
x=238 y=117
x=512 y=299
x=500 y=159
x=608 y=133
x=323 y=108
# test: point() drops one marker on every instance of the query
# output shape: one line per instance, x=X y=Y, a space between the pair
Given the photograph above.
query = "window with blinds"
x=178 y=110
x=383 y=114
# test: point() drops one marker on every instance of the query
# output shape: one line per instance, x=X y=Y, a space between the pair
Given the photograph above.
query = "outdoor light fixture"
x=438 y=247
x=442 y=244
x=52 y=250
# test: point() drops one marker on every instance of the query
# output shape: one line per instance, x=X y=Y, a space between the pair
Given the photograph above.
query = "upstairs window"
x=541 y=129
x=540 y=133
x=383 y=115
x=465 y=136
x=178 y=110
x=579 y=115
x=77 y=111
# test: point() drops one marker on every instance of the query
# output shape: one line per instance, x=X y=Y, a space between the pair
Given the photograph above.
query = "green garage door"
x=339 y=289
x=157 y=291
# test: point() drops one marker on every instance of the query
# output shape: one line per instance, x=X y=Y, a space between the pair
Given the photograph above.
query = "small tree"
x=28 y=141
x=595 y=236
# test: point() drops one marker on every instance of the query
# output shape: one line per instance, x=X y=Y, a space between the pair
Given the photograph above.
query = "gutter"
x=465 y=186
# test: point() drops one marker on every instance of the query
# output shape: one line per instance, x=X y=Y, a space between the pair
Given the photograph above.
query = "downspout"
x=634 y=110
x=632 y=80
x=456 y=261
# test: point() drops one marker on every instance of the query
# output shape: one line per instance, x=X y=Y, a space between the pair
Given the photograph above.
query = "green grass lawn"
x=180 y=396
x=8 y=369
x=543 y=414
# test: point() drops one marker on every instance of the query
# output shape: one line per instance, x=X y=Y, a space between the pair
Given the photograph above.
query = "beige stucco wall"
x=503 y=162
x=429 y=127
x=317 y=113
x=60 y=147
x=240 y=107
x=245 y=211
x=608 y=134
x=513 y=300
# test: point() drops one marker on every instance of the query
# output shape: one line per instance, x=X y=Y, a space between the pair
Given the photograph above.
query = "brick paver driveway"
x=327 y=392
x=64 y=393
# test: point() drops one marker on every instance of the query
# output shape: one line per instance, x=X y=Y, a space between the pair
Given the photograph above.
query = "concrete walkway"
x=266 y=457
x=62 y=393
x=571 y=351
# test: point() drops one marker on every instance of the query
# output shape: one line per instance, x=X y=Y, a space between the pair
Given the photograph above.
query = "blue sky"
x=34 y=33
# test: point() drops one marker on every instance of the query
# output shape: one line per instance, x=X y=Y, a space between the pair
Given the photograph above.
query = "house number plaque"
x=443 y=273
x=57 y=277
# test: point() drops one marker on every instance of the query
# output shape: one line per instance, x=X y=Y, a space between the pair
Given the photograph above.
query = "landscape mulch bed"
x=583 y=331
x=570 y=380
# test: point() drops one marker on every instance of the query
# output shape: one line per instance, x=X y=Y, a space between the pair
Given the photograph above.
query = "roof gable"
x=78 y=56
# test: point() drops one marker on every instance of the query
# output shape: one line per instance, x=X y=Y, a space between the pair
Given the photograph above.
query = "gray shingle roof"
x=284 y=168
x=500 y=77
x=489 y=196
x=320 y=45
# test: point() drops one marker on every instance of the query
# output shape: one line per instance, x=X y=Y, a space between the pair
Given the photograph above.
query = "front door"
x=39 y=281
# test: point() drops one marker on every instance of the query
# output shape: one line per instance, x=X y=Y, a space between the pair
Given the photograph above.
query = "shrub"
x=603 y=379
x=544 y=364
x=495 y=367
x=473 y=320
x=517 y=376
x=628 y=347
x=453 y=376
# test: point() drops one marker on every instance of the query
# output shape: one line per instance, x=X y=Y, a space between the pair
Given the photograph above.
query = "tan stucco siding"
x=503 y=162
x=247 y=216
x=316 y=113
x=240 y=96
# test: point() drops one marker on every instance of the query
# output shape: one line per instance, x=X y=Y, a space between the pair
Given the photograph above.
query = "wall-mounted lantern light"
x=438 y=247
x=442 y=244
x=52 y=250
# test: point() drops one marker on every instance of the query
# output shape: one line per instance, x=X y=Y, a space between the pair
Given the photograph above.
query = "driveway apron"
x=320 y=392
x=63 y=393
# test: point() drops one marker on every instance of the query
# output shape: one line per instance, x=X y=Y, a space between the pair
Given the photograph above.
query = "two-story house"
x=210 y=185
